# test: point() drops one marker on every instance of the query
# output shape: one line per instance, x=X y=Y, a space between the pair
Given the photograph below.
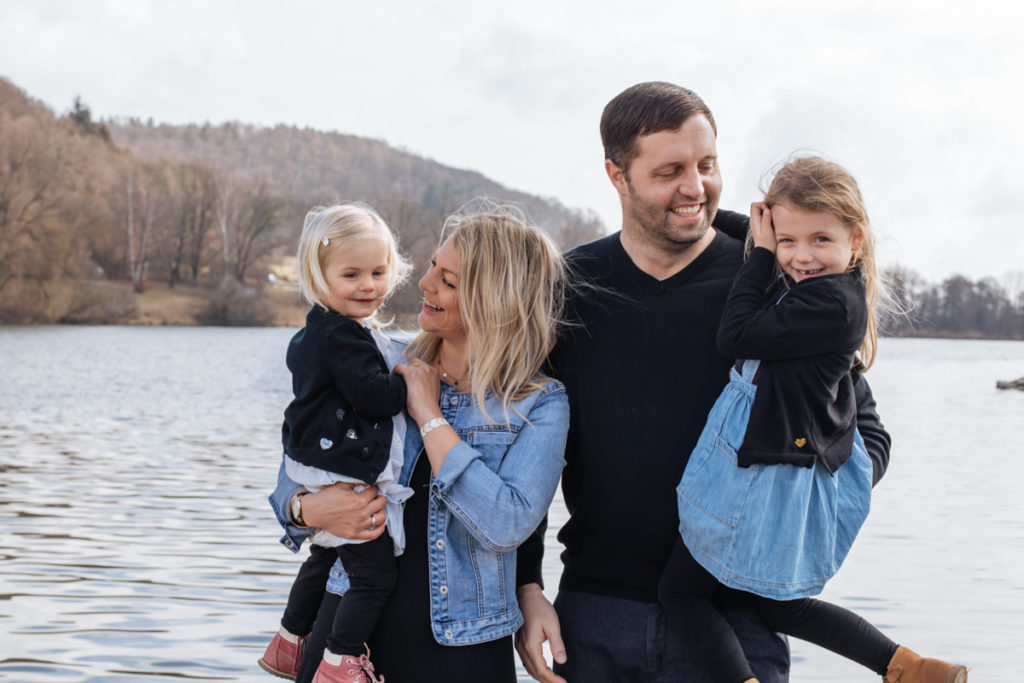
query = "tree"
x=141 y=197
x=255 y=229
x=81 y=116
x=33 y=169
x=196 y=196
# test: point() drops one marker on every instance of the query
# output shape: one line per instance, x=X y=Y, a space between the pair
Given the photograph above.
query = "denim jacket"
x=493 y=490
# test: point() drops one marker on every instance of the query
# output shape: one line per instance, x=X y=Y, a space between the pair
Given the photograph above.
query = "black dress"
x=402 y=647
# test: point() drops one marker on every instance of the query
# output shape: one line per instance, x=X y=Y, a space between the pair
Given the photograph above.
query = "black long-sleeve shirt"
x=642 y=370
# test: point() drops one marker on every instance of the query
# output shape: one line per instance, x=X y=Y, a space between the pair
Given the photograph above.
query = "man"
x=642 y=371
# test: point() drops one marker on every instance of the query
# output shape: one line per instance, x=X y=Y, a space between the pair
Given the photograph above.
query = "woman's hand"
x=761 y=227
x=342 y=511
x=423 y=390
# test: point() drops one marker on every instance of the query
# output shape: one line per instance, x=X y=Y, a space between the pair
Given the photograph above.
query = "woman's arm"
x=503 y=508
x=500 y=508
x=336 y=508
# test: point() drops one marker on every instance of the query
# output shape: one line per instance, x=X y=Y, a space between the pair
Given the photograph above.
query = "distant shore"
x=110 y=303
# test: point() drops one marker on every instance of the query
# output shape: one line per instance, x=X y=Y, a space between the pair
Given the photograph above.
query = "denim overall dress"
x=779 y=531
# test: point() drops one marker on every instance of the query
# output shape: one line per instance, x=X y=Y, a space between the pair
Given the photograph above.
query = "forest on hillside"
x=93 y=214
x=87 y=204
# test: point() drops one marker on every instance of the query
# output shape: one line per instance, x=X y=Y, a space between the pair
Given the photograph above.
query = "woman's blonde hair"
x=330 y=228
x=511 y=293
x=816 y=184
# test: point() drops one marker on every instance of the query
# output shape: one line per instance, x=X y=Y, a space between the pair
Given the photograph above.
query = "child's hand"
x=761 y=227
x=423 y=389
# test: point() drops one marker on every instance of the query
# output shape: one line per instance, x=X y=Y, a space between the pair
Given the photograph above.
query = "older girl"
x=484 y=453
x=780 y=481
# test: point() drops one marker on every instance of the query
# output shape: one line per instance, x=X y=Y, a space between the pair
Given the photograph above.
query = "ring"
x=373 y=522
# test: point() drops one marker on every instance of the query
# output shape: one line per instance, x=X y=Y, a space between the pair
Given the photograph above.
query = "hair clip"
x=326 y=240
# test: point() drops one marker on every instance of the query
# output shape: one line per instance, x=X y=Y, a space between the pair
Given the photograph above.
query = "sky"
x=920 y=100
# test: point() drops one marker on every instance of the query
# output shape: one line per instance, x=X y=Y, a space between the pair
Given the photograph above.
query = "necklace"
x=446 y=377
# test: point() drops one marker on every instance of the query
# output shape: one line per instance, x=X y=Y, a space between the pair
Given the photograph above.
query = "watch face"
x=297 y=509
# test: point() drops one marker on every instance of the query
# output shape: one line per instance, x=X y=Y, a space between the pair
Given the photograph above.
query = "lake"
x=138 y=544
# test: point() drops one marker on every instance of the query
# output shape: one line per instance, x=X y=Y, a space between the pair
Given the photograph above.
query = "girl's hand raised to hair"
x=761 y=228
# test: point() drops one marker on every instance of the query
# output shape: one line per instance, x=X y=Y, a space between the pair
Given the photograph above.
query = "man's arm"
x=876 y=438
x=540 y=622
x=733 y=224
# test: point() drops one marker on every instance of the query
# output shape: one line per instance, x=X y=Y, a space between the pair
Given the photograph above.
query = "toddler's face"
x=357 y=277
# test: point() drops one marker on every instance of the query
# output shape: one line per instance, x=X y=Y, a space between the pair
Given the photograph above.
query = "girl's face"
x=440 y=312
x=812 y=243
x=356 y=272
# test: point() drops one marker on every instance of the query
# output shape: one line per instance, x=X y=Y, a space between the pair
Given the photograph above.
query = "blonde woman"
x=483 y=454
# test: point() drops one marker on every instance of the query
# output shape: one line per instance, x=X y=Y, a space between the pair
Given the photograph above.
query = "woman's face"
x=440 y=312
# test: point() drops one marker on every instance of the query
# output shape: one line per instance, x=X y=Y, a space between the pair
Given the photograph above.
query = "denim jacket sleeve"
x=279 y=500
x=502 y=508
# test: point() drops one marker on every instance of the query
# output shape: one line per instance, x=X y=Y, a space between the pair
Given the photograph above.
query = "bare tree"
x=255 y=230
x=196 y=192
x=32 y=170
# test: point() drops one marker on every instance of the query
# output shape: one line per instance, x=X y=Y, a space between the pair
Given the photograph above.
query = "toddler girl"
x=342 y=427
x=780 y=481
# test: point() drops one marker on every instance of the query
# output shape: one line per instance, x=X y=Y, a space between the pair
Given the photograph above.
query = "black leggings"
x=372 y=573
x=685 y=592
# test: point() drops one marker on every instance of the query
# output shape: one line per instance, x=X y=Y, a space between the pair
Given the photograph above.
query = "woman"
x=484 y=458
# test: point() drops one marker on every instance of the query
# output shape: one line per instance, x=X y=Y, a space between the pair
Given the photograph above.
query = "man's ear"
x=617 y=176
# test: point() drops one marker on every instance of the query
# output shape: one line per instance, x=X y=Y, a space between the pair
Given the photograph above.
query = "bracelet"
x=431 y=425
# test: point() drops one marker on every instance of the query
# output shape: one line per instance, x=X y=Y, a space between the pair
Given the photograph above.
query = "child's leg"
x=372 y=573
x=308 y=590
x=685 y=592
x=831 y=627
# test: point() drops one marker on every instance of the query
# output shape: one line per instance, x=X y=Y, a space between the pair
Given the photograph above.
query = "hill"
x=86 y=205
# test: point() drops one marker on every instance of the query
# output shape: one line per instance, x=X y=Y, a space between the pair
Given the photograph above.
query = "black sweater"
x=340 y=418
x=805 y=334
x=642 y=370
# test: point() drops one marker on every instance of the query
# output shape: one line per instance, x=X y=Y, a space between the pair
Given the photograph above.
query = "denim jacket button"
x=440 y=543
x=449 y=635
x=444 y=590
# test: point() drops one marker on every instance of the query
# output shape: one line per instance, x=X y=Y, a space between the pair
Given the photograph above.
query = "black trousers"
x=308 y=590
x=371 y=572
x=685 y=592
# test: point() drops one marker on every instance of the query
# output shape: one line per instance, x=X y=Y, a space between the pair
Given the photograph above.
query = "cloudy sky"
x=922 y=100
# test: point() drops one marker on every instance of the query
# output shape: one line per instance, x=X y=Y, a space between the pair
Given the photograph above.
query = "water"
x=138 y=544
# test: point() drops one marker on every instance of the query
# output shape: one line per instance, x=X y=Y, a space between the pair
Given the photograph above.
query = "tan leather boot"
x=906 y=666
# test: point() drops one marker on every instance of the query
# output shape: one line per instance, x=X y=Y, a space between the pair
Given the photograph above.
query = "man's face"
x=671 y=189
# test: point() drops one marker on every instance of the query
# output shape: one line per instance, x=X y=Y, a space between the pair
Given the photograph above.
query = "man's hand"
x=343 y=512
x=761 y=228
x=540 y=623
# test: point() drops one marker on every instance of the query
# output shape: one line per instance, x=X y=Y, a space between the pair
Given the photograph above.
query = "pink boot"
x=283 y=658
x=351 y=670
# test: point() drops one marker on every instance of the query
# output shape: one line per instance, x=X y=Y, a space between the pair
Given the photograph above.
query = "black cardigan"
x=345 y=397
x=804 y=409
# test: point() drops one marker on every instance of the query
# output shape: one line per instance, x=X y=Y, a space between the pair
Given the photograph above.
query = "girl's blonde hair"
x=816 y=184
x=330 y=228
x=511 y=293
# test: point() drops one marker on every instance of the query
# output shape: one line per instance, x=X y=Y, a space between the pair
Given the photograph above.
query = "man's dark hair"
x=643 y=109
